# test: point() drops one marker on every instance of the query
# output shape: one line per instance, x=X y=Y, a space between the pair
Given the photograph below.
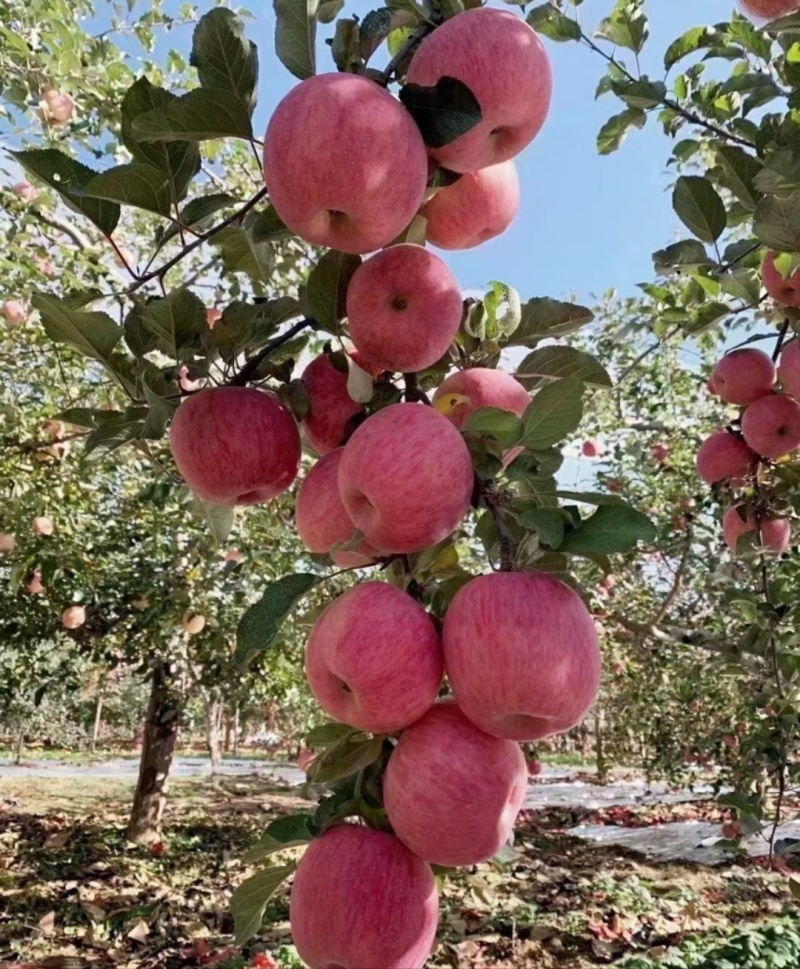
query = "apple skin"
x=25 y=191
x=344 y=163
x=769 y=9
x=452 y=793
x=73 y=617
x=60 y=107
x=330 y=405
x=235 y=445
x=789 y=369
x=42 y=526
x=482 y=387
x=406 y=478
x=521 y=654
x=785 y=291
x=743 y=376
x=505 y=65
x=776 y=533
x=8 y=542
x=722 y=456
x=361 y=900
x=320 y=516
x=478 y=207
x=35 y=586
x=374 y=659
x=534 y=768
x=14 y=312
x=591 y=449
x=404 y=307
x=771 y=425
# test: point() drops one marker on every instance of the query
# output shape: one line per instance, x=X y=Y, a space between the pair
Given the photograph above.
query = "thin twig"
x=677 y=582
x=646 y=353
x=250 y=369
x=55 y=223
x=779 y=343
x=385 y=77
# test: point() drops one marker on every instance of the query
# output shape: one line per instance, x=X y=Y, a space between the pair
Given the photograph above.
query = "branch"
x=678 y=635
x=250 y=369
x=492 y=501
x=781 y=337
x=55 y=223
x=677 y=582
x=416 y=38
x=414 y=393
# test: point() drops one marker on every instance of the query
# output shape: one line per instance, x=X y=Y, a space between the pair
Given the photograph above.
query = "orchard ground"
x=76 y=894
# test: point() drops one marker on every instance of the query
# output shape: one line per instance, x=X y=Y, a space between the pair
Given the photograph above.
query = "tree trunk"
x=227 y=743
x=599 y=749
x=212 y=733
x=236 y=730
x=18 y=746
x=160 y=734
x=98 y=721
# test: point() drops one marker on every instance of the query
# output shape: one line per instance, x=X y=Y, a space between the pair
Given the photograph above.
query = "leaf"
x=197 y=213
x=642 y=93
x=611 y=529
x=161 y=409
x=553 y=414
x=326 y=288
x=777 y=222
x=93 y=334
x=544 y=317
x=548 y=20
x=218 y=517
x=327 y=733
x=443 y=112
x=137 y=184
x=249 y=901
x=225 y=59
x=681 y=255
x=199 y=115
x=68 y=176
x=348 y=756
x=286 y=832
x=268 y=226
x=503 y=310
x=780 y=174
x=626 y=26
x=295 y=35
x=178 y=321
x=242 y=254
x=694 y=39
x=613 y=132
x=493 y=422
x=548 y=522
x=556 y=363
x=259 y=626
x=739 y=173
x=698 y=205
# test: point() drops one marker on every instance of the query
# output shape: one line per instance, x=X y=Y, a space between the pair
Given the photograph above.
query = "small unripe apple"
x=42 y=526
x=73 y=617
x=193 y=622
x=14 y=312
x=744 y=375
x=722 y=456
x=789 y=369
x=774 y=533
x=783 y=290
x=7 y=542
x=659 y=452
x=25 y=191
x=591 y=449
x=771 y=425
x=35 y=587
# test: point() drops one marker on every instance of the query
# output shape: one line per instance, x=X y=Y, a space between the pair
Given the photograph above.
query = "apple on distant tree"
x=59 y=107
x=534 y=768
x=771 y=425
x=8 y=542
x=659 y=452
x=73 y=617
x=14 y=312
x=25 y=191
x=42 y=526
x=193 y=623
x=591 y=449
x=35 y=586
x=213 y=316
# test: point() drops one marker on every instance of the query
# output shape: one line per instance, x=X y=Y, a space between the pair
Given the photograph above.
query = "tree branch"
x=416 y=38
x=250 y=369
x=677 y=582
x=55 y=223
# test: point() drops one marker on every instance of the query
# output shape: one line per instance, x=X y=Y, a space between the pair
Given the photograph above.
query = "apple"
x=235 y=445
x=141 y=603
x=374 y=659
x=774 y=533
x=187 y=384
x=321 y=519
x=614 y=486
x=212 y=316
x=743 y=376
x=42 y=526
x=659 y=452
x=782 y=290
x=53 y=430
x=25 y=191
x=73 y=617
x=59 y=107
x=331 y=408
x=591 y=449
x=789 y=369
x=769 y=9
x=478 y=207
x=521 y=654
x=344 y=163
x=361 y=900
x=234 y=556
x=467 y=390
x=406 y=478
x=534 y=768
x=771 y=425
x=451 y=792
x=7 y=542
x=45 y=266
x=305 y=758
x=193 y=622
x=722 y=456
x=14 y=312
x=404 y=308
x=505 y=65
x=35 y=587
x=731 y=830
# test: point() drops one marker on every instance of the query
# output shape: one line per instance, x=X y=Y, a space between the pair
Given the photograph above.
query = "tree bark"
x=158 y=747
x=213 y=708
x=236 y=730
x=98 y=721
x=599 y=748
x=18 y=746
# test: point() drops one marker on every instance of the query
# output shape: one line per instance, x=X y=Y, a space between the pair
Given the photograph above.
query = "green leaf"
x=443 y=112
x=329 y=10
x=681 y=255
x=219 y=518
x=611 y=529
x=548 y=20
x=548 y=522
x=493 y=422
x=348 y=756
x=249 y=901
x=777 y=222
x=503 y=310
x=137 y=184
x=93 y=334
x=553 y=414
x=67 y=177
x=295 y=35
x=543 y=317
x=698 y=205
x=196 y=214
x=268 y=226
x=259 y=626
x=287 y=832
x=179 y=321
x=179 y=159
x=613 y=132
x=326 y=288
x=780 y=174
x=241 y=253
x=327 y=733
x=739 y=173
x=626 y=26
x=642 y=93
x=346 y=46
x=161 y=409
x=693 y=40
x=556 y=363
x=225 y=59
x=200 y=115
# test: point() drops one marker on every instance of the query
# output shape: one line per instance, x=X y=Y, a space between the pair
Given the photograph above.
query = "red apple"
x=59 y=107
x=361 y=900
x=771 y=425
x=14 y=312
x=451 y=792
x=659 y=452
x=521 y=655
x=782 y=290
x=374 y=659
x=406 y=478
x=404 y=308
x=591 y=449
x=743 y=376
x=73 y=617
x=331 y=408
x=534 y=768
x=769 y=9
x=7 y=542
x=789 y=369
x=344 y=163
x=722 y=456
x=503 y=62
x=42 y=526
x=25 y=191
x=467 y=390
x=193 y=623
x=775 y=533
x=35 y=586
x=235 y=445
x=731 y=830
x=320 y=516
x=478 y=207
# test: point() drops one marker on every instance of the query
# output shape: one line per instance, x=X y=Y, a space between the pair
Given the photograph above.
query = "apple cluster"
x=346 y=168
x=767 y=430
